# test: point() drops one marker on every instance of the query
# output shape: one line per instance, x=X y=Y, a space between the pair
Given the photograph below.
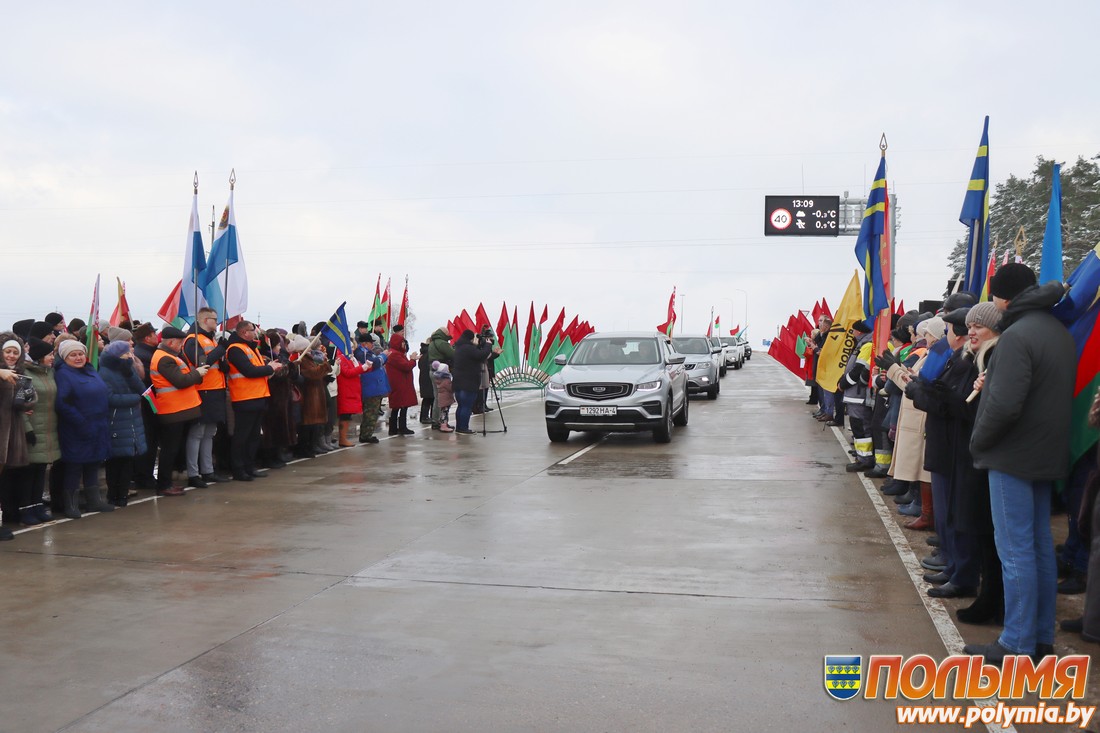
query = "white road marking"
x=569 y=459
x=941 y=619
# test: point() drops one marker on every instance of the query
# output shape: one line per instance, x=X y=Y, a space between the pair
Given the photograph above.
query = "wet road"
x=462 y=583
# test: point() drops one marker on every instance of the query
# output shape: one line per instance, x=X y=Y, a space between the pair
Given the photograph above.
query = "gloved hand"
x=885 y=360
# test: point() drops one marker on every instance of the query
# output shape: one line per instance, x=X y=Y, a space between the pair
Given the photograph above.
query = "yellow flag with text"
x=840 y=342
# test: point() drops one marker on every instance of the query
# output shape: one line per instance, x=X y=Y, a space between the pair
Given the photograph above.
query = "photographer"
x=471 y=353
x=488 y=370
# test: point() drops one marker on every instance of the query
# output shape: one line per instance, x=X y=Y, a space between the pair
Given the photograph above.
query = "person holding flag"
x=1022 y=436
x=200 y=348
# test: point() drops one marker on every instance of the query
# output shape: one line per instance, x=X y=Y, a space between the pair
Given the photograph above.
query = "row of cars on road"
x=636 y=381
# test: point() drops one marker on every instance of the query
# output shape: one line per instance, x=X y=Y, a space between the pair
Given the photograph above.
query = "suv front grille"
x=600 y=390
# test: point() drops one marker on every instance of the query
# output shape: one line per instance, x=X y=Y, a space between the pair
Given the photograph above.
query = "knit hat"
x=37 y=348
x=53 y=319
x=297 y=344
x=860 y=326
x=932 y=328
x=363 y=337
x=143 y=331
x=116 y=348
x=76 y=324
x=22 y=329
x=443 y=368
x=1011 y=280
x=68 y=347
x=40 y=330
x=171 y=332
x=118 y=334
x=985 y=314
x=362 y=324
x=12 y=343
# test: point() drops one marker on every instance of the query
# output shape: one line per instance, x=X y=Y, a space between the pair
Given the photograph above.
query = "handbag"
x=24 y=393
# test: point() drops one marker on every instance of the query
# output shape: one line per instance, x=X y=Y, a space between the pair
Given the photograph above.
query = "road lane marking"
x=941 y=619
x=569 y=459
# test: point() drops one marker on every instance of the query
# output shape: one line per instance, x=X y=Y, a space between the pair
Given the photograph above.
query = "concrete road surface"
x=468 y=583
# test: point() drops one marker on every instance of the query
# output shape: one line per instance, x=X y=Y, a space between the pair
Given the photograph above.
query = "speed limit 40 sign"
x=802 y=216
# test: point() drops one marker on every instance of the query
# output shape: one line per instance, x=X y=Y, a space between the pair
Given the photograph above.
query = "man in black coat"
x=470 y=353
x=1021 y=435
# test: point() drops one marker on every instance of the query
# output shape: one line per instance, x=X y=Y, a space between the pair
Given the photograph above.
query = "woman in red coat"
x=399 y=369
x=349 y=394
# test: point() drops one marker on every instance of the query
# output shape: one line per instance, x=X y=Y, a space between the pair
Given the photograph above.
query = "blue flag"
x=336 y=330
x=869 y=242
x=975 y=215
x=225 y=281
x=1051 y=267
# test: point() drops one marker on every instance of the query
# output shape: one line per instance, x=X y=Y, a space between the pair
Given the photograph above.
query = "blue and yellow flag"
x=869 y=243
x=336 y=331
x=975 y=215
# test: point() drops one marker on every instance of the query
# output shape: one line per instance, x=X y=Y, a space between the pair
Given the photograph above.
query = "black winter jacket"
x=1023 y=423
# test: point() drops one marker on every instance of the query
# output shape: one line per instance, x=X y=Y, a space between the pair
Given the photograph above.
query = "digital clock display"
x=802 y=216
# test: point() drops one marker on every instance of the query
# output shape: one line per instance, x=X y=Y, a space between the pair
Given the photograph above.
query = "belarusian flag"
x=170 y=309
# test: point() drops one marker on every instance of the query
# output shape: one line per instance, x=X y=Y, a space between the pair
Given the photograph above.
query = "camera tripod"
x=484 y=413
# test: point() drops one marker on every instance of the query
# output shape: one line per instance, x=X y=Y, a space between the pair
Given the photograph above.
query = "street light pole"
x=682 y=299
x=730 y=301
x=739 y=290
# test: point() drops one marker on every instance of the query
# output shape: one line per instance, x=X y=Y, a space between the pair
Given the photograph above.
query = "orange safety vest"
x=215 y=378
x=172 y=399
x=246 y=388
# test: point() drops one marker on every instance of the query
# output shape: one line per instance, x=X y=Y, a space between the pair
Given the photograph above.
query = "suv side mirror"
x=561 y=359
x=677 y=359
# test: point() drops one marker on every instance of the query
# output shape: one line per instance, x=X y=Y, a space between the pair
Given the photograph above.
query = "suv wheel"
x=556 y=434
x=712 y=393
x=682 y=419
x=663 y=434
x=737 y=364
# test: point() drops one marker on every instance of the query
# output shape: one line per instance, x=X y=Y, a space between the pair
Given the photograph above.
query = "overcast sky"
x=590 y=154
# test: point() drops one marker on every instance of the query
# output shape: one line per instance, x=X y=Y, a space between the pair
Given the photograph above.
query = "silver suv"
x=618 y=382
x=701 y=364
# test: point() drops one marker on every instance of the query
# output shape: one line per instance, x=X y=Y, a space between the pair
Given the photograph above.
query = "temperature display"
x=802 y=216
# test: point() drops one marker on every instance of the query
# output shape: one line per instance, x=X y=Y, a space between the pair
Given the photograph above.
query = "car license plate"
x=599 y=411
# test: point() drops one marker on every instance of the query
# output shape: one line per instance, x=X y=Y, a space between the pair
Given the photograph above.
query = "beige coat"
x=908 y=460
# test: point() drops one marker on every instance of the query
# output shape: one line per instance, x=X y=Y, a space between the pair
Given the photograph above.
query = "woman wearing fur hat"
x=124 y=388
x=83 y=427
x=15 y=400
x=43 y=448
x=313 y=367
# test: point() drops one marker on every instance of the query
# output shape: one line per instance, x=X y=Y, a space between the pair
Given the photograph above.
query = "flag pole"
x=225 y=293
x=195 y=281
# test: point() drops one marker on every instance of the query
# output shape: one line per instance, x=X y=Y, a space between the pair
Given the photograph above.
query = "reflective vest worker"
x=200 y=348
x=177 y=395
x=249 y=393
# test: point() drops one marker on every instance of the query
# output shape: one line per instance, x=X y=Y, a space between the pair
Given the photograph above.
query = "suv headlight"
x=555 y=386
x=649 y=386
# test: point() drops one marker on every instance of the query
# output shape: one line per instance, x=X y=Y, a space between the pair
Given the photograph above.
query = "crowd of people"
x=174 y=408
x=966 y=416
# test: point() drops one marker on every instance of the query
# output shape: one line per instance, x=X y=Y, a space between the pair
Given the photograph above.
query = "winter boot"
x=95 y=501
x=320 y=447
x=393 y=422
x=403 y=424
x=69 y=503
x=344 y=426
x=925 y=521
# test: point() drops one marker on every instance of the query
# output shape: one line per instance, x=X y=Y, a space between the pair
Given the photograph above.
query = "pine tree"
x=1024 y=201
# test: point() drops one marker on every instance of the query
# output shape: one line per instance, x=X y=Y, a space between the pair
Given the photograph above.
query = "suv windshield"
x=691 y=345
x=595 y=351
x=730 y=342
